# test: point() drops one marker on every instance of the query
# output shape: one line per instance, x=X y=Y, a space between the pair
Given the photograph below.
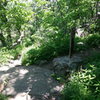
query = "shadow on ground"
x=34 y=82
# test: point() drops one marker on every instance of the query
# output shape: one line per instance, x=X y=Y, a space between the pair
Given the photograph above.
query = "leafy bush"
x=16 y=51
x=85 y=85
x=30 y=57
x=28 y=41
x=4 y=55
x=80 y=44
x=55 y=46
x=93 y=63
x=7 y=54
x=75 y=90
x=93 y=41
x=81 y=87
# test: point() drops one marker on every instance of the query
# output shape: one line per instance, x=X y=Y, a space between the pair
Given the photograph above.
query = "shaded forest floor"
x=29 y=83
x=32 y=82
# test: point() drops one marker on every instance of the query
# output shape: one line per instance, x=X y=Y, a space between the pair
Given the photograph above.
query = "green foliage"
x=93 y=64
x=6 y=54
x=16 y=51
x=30 y=57
x=15 y=16
x=90 y=41
x=2 y=97
x=28 y=42
x=85 y=85
x=18 y=14
x=56 y=46
x=76 y=91
x=80 y=44
x=93 y=41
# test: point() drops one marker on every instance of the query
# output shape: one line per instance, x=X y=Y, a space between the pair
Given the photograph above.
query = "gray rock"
x=75 y=62
x=42 y=62
x=63 y=65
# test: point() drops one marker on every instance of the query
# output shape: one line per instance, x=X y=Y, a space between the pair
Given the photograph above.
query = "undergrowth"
x=7 y=54
x=55 y=46
x=85 y=85
x=58 y=45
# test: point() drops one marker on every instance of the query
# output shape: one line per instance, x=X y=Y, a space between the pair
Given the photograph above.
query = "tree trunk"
x=72 y=40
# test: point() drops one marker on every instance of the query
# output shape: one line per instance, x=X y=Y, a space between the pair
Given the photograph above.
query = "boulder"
x=63 y=65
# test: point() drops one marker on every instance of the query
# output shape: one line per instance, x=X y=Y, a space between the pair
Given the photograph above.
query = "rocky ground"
x=35 y=82
x=29 y=83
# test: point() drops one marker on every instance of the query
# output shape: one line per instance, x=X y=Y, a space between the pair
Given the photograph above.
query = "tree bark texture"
x=72 y=41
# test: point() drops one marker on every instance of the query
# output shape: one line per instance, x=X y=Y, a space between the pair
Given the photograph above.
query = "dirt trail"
x=29 y=83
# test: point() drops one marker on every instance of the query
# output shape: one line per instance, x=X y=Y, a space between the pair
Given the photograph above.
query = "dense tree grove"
x=40 y=30
x=15 y=16
x=42 y=16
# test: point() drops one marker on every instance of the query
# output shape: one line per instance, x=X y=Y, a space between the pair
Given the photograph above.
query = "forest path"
x=29 y=83
x=32 y=82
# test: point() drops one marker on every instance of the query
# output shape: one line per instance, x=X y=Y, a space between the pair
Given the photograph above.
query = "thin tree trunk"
x=72 y=40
